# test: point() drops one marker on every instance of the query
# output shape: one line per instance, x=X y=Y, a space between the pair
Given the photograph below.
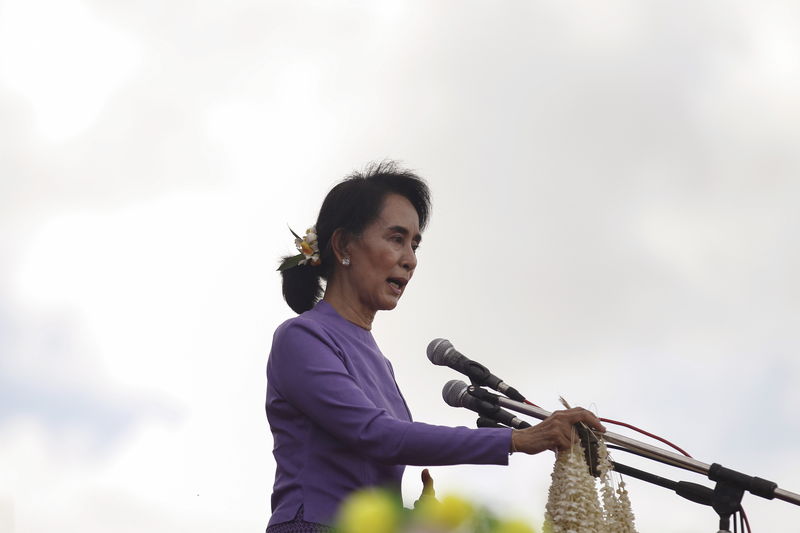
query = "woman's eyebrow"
x=401 y=229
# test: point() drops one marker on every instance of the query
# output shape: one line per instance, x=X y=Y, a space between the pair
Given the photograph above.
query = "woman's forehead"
x=398 y=211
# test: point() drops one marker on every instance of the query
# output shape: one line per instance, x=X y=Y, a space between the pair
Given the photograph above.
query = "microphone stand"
x=685 y=489
x=730 y=484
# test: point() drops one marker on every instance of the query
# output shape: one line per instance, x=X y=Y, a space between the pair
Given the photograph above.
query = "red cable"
x=746 y=521
x=643 y=432
x=629 y=426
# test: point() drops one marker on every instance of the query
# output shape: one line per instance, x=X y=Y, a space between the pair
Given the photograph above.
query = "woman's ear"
x=340 y=244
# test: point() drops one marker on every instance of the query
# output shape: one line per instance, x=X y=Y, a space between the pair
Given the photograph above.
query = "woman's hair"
x=352 y=205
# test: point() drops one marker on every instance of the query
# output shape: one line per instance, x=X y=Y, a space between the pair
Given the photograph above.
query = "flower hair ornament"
x=308 y=248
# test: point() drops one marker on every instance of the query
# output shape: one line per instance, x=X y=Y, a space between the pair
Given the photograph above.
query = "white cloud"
x=64 y=60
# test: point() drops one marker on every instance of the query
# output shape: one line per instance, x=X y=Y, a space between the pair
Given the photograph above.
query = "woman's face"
x=383 y=258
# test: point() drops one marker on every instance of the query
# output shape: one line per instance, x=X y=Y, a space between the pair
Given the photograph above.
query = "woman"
x=338 y=419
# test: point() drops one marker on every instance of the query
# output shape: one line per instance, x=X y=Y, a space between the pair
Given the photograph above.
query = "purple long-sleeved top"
x=339 y=422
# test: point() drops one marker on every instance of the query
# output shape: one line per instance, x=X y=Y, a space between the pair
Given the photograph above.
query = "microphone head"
x=453 y=392
x=441 y=352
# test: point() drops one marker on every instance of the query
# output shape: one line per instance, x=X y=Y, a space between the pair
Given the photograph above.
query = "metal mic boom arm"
x=715 y=472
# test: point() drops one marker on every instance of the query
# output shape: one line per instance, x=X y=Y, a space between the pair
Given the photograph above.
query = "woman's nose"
x=409 y=260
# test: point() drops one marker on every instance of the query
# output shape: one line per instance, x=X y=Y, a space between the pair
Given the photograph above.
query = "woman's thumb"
x=427 y=483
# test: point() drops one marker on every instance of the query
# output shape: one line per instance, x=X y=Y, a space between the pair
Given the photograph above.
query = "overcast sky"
x=615 y=220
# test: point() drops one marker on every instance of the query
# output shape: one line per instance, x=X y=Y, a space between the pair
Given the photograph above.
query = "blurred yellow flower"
x=369 y=511
x=381 y=511
x=513 y=526
x=448 y=514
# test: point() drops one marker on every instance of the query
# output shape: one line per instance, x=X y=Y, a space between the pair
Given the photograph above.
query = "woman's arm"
x=306 y=371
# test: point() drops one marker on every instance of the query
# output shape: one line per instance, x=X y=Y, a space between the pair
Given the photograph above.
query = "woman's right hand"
x=554 y=432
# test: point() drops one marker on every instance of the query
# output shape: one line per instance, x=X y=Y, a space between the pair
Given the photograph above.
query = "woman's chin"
x=389 y=304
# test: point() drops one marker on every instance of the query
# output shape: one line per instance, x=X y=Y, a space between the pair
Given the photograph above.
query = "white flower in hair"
x=308 y=248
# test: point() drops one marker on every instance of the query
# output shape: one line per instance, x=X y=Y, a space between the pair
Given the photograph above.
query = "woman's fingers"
x=556 y=432
x=576 y=415
x=591 y=420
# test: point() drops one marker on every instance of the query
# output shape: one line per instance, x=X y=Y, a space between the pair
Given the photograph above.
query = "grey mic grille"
x=441 y=352
x=453 y=392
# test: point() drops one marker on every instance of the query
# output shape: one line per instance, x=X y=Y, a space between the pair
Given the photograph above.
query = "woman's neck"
x=349 y=308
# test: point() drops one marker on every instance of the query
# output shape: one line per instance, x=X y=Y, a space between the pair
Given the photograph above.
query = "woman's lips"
x=396 y=287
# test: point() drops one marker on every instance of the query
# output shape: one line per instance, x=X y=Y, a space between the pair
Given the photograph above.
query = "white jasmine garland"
x=573 y=505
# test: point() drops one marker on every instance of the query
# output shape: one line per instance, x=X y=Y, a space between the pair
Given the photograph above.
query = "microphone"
x=456 y=394
x=442 y=353
x=483 y=422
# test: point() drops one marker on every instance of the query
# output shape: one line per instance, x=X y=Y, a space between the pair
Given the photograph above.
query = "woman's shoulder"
x=299 y=342
x=308 y=328
x=321 y=331
x=323 y=320
x=301 y=325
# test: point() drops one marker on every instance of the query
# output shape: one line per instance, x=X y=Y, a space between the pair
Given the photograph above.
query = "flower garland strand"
x=617 y=505
x=573 y=504
x=308 y=248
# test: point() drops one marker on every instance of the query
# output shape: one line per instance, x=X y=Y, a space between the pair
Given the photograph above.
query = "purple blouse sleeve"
x=306 y=371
